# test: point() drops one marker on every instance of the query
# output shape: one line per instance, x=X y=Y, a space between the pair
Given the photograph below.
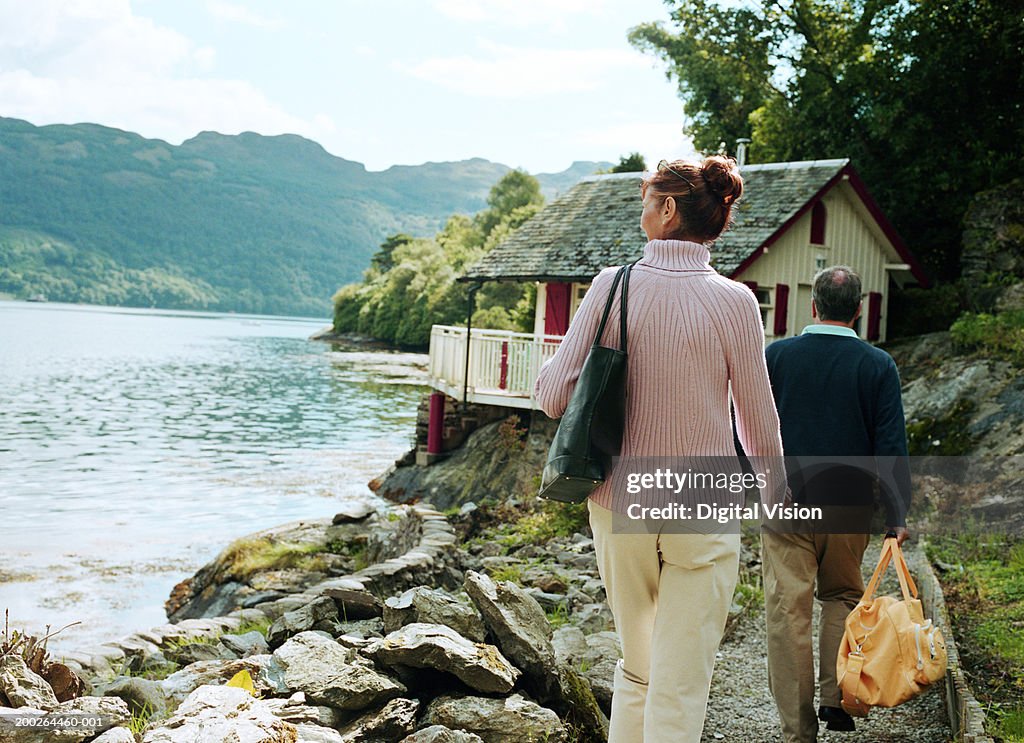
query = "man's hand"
x=901 y=533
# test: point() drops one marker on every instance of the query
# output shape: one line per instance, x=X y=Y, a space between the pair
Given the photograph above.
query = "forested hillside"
x=244 y=223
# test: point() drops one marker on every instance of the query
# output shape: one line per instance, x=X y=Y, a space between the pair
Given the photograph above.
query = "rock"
x=569 y=644
x=520 y=628
x=302 y=619
x=578 y=705
x=222 y=714
x=551 y=584
x=509 y=720
x=354 y=604
x=331 y=674
x=194 y=652
x=441 y=734
x=430 y=606
x=251 y=643
x=592 y=618
x=363 y=628
x=316 y=734
x=66 y=684
x=295 y=710
x=435 y=646
x=473 y=472
x=116 y=735
x=23 y=687
x=598 y=666
x=395 y=720
x=352 y=511
x=109 y=711
x=265 y=676
x=140 y=694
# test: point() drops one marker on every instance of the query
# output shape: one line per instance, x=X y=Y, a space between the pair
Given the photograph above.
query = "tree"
x=920 y=94
x=631 y=163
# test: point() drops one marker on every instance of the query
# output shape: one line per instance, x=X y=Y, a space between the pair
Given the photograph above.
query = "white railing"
x=502 y=365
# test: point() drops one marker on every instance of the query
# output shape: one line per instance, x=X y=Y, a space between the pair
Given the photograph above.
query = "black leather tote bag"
x=590 y=432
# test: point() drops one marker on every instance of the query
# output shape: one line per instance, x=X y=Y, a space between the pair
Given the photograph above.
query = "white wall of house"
x=852 y=237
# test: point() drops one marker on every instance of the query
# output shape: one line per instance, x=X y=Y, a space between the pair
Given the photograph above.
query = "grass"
x=244 y=557
x=558 y=616
x=538 y=525
x=139 y=720
x=985 y=597
x=253 y=625
x=356 y=551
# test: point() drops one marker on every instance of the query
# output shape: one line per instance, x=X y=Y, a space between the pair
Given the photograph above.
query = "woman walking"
x=694 y=336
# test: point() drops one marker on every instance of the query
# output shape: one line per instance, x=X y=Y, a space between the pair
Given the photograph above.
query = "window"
x=818 y=215
x=819 y=262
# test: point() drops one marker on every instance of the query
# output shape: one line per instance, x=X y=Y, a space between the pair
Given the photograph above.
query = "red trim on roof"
x=873 y=209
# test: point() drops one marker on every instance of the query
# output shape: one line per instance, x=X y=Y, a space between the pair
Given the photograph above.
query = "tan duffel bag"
x=890 y=652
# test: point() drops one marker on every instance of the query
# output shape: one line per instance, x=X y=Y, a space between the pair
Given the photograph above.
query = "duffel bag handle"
x=891 y=552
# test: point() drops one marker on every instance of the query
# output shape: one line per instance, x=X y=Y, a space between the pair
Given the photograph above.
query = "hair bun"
x=723 y=178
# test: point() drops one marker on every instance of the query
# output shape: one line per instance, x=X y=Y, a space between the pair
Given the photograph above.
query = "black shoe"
x=836 y=719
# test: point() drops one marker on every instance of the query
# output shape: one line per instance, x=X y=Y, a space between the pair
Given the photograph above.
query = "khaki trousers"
x=670 y=596
x=796 y=569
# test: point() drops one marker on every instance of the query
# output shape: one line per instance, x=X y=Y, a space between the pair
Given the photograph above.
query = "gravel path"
x=742 y=710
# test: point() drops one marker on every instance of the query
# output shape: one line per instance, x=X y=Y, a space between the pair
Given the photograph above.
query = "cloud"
x=653 y=139
x=95 y=60
x=240 y=14
x=516 y=72
x=551 y=14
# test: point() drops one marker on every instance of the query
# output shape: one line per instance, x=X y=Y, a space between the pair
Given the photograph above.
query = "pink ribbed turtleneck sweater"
x=692 y=335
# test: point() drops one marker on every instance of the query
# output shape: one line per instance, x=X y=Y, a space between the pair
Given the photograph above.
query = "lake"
x=136 y=444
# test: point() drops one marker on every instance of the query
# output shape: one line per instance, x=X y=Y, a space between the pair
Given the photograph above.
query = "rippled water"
x=135 y=445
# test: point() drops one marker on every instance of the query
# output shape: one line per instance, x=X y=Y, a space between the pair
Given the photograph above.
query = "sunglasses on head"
x=664 y=167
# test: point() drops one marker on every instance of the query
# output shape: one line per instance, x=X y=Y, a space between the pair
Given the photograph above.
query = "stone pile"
x=418 y=647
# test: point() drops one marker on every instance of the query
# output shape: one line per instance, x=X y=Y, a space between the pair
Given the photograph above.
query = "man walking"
x=838 y=399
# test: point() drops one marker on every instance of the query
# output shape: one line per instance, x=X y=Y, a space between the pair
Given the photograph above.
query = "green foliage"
x=1001 y=334
x=985 y=597
x=242 y=223
x=631 y=163
x=914 y=310
x=945 y=435
x=410 y=285
x=249 y=555
x=865 y=79
x=253 y=625
x=140 y=720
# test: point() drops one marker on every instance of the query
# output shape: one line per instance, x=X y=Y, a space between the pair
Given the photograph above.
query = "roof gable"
x=596 y=224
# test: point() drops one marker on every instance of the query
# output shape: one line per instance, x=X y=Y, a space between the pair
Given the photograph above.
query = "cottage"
x=793 y=219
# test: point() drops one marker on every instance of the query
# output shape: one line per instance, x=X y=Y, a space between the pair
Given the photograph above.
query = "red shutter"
x=556 y=309
x=874 y=316
x=781 y=308
x=818 y=214
x=752 y=285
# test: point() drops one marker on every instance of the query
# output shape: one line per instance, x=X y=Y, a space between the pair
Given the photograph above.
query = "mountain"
x=244 y=223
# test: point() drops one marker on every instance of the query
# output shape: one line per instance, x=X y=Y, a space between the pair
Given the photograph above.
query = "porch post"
x=435 y=425
x=469 y=331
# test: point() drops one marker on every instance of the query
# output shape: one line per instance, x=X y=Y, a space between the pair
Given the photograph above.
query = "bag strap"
x=623 y=301
x=622 y=272
x=891 y=552
x=907 y=584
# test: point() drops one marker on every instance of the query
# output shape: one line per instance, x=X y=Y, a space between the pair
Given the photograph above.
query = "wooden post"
x=503 y=380
x=435 y=427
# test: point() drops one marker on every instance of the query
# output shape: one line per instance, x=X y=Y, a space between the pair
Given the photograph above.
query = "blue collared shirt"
x=830 y=330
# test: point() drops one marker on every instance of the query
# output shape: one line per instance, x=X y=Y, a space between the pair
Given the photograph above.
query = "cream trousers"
x=670 y=596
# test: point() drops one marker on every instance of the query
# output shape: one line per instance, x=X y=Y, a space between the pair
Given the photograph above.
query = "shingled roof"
x=596 y=224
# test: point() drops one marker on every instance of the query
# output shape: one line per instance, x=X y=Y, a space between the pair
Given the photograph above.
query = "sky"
x=535 y=84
